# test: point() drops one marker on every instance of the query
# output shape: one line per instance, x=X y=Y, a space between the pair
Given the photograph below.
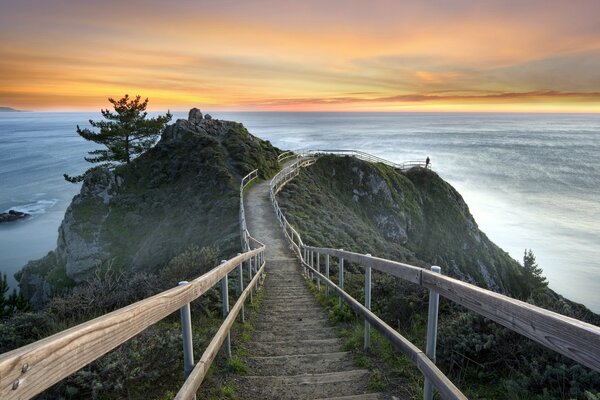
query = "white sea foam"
x=37 y=208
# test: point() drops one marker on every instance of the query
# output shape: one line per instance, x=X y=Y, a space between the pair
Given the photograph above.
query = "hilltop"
x=416 y=217
x=182 y=192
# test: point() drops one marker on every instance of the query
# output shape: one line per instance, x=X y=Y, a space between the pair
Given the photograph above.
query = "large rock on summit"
x=182 y=192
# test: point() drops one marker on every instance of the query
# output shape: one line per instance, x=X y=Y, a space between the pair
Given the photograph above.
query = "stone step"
x=286 y=323
x=271 y=295
x=294 y=347
x=292 y=308
x=291 y=314
x=299 y=300
x=307 y=386
x=299 y=333
x=366 y=396
x=301 y=364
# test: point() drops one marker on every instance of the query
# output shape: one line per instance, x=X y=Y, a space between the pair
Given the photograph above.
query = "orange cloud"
x=303 y=55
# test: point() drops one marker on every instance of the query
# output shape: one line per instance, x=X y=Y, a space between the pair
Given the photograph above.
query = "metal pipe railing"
x=367 y=157
x=244 y=234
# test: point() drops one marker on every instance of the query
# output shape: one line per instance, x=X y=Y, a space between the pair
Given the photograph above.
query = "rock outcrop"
x=12 y=215
x=182 y=192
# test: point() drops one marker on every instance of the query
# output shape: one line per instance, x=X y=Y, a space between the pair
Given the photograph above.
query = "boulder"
x=12 y=215
x=195 y=116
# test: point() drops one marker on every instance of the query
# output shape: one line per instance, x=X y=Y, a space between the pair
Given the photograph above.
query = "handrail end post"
x=225 y=297
x=432 y=322
x=367 y=339
x=186 y=334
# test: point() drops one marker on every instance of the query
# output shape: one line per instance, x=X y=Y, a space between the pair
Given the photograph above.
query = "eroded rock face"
x=79 y=247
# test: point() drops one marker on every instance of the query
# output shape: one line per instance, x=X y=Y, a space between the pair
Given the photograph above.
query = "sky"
x=326 y=55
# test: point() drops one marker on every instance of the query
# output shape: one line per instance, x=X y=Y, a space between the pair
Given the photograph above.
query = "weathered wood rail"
x=29 y=370
x=575 y=339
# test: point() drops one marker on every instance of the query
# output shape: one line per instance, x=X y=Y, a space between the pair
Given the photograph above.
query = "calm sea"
x=531 y=180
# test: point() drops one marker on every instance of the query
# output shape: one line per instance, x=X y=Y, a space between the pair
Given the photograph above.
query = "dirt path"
x=295 y=353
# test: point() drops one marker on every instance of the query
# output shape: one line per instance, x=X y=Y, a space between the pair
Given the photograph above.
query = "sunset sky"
x=302 y=55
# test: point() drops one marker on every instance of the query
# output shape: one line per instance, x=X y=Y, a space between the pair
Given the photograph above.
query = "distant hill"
x=8 y=109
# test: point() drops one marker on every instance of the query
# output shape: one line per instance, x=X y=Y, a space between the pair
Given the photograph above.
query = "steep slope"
x=182 y=192
x=413 y=216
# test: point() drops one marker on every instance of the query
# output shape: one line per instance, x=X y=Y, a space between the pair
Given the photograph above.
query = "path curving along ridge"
x=295 y=352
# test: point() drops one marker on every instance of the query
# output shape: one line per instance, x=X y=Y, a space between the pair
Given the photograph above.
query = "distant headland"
x=9 y=109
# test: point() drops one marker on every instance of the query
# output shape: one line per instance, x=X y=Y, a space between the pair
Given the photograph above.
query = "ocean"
x=532 y=181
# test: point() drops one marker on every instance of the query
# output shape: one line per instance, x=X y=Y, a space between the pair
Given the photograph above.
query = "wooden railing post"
x=312 y=264
x=341 y=277
x=250 y=277
x=186 y=334
x=318 y=270
x=432 y=320
x=327 y=273
x=367 y=343
x=305 y=260
x=241 y=288
x=225 y=298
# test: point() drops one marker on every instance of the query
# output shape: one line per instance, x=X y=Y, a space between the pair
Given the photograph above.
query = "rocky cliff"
x=412 y=216
x=182 y=192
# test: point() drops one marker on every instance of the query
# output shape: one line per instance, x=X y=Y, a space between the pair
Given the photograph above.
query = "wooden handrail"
x=575 y=339
x=570 y=337
x=37 y=366
x=285 y=155
x=193 y=382
x=444 y=386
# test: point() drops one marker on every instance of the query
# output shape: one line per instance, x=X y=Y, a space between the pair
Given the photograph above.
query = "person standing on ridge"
x=427 y=161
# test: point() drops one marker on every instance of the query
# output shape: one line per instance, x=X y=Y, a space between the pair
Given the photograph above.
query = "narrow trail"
x=294 y=353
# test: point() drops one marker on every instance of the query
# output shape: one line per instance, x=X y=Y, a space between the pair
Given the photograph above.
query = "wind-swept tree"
x=126 y=133
x=535 y=281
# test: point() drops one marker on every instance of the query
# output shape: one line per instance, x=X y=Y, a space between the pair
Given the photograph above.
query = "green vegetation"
x=168 y=215
x=416 y=217
x=126 y=133
x=182 y=192
x=15 y=302
x=149 y=363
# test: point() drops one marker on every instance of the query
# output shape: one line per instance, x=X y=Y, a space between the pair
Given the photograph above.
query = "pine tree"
x=3 y=301
x=535 y=280
x=126 y=133
x=15 y=302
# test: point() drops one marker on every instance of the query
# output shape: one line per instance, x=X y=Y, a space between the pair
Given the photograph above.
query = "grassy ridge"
x=417 y=217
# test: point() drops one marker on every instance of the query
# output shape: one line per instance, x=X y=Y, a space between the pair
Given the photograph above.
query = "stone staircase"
x=295 y=352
